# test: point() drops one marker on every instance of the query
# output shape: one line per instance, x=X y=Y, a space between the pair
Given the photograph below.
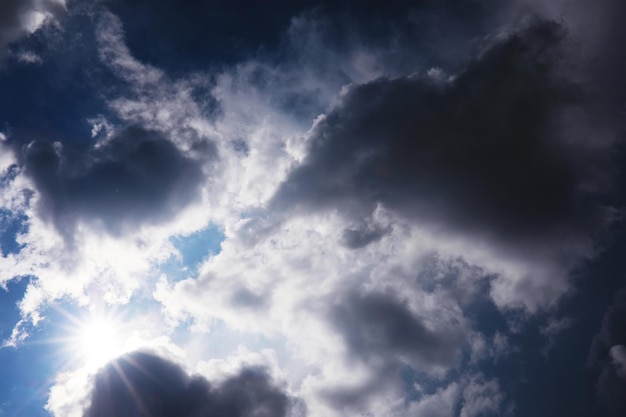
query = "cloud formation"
x=494 y=152
x=21 y=17
x=143 y=384
x=379 y=325
x=136 y=176
x=371 y=203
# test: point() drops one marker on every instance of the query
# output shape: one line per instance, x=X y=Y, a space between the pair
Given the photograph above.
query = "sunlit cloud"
x=378 y=214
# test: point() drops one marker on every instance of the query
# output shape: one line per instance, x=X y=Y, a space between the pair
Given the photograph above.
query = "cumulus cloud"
x=502 y=154
x=490 y=170
x=136 y=176
x=22 y=17
x=144 y=384
x=483 y=153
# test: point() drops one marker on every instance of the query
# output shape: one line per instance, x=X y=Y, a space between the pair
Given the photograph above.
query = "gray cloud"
x=355 y=238
x=14 y=16
x=378 y=324
x=381 y=331
x=503 y=151
x=137 y=176
x=607 y=355
x=141 y=384
x=618 y=357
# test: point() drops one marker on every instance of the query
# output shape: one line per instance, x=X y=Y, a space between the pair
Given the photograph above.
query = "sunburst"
x=93 y=339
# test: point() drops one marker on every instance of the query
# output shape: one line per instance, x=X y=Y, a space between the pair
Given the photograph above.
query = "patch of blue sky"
x=27 y=371
x=193 y=249
x=27 y=111
x=11 y=225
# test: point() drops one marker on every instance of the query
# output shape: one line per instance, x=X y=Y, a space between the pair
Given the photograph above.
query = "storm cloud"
x=502 y=151
x=137 y=176
x=142 y=384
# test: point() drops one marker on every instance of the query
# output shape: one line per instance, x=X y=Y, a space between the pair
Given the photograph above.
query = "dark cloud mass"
x=502 y=150
x=141 y=384
x=136 y=176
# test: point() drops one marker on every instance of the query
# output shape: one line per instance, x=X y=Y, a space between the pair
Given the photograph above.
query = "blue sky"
x=312 y=208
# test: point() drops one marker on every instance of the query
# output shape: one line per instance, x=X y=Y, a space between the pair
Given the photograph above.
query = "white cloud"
x=439 y=404
x=482 y=397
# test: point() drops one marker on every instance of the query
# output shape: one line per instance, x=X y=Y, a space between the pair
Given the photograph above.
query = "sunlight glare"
x=95 y=340
x=99 y=342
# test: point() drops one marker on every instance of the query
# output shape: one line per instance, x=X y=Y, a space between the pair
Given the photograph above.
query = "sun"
x=93 y=340
x=98 y=341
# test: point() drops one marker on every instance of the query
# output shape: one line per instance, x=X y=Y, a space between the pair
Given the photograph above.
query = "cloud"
x=377 y=325
x=363 y=235
x=618 y=357
x=143 y=384
x=438 y=404
x=472 y=396
x=489 y=169
x=607 y=356
x=483 y=397
x=503 y=154
x=382 y=333
x=552 y=329
x=485 y=150
x=22 y=17
x=136 y=176
x=352 y=321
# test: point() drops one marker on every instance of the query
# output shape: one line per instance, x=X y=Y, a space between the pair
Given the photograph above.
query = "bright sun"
x=94 y=340
x=98 y=342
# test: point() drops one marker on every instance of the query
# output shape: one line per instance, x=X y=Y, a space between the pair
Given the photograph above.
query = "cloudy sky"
x=321 y=209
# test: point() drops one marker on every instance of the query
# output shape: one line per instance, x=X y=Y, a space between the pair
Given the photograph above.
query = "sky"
x=312 y=208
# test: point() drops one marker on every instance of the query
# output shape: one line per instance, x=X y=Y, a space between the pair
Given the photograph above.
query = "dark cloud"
x=244 y=298
x=383 y=332
x=379 y=325
x=14 y=15
x=137 y=176
x=506 y=150
x=606 y=355
x=359 y=237
x=141 y=384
